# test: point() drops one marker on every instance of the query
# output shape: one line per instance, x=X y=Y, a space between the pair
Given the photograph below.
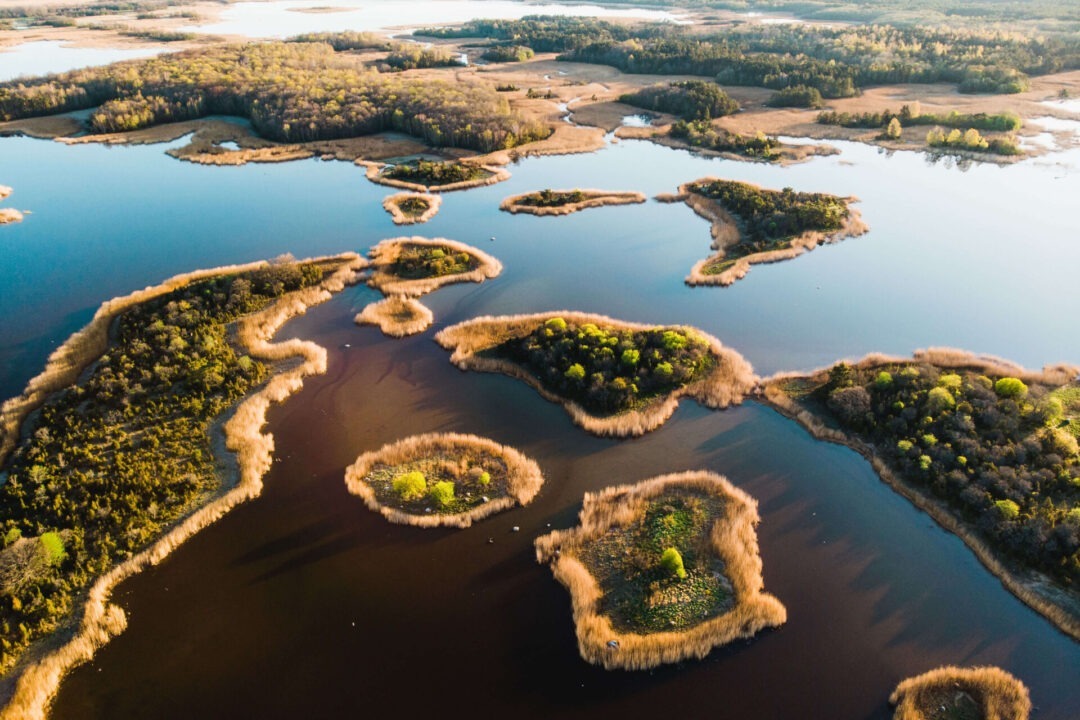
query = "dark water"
x=304 y=604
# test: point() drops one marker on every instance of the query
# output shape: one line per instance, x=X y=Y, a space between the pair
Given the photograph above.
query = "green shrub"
x=484 y=479
x=883 y=380
x=1010 y=387
x=672 y=563
x=410 y=486
x=442 y=493
x=53 y=544
x=556 y=323
x=1008 y=509
x=630 y=357
x=575 y=372
x=939 y=399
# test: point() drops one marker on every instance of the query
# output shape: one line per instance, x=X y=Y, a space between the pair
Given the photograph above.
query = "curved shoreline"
x=1004 y=697
x=727 y=384
x=38 y=682
x=593 y=198
x=523 y=478
x=392 y=205
x=1031 y=588
x=733 y=538
x=375 y=169
x=397 y=316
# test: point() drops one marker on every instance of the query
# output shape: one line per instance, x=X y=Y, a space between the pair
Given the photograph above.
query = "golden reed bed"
x=729 y=382
x=523 y=476
x=997 y=694
x=733 y=538
x=392 y=205
x=593 y=198
x=8 y=215
x=39 y=681
x=1032 y=589
x=397 y=316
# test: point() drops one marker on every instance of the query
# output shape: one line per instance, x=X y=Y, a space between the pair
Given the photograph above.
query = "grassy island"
x=443 y=480
x=425 y=176
x=752 y=225
x=614 y=378
x=564 y=202
x=662 y=571
x=988 y=449
x=412 y=208
x=8 y=215
x=110 y=457
x=407 y=268
x=981 y=693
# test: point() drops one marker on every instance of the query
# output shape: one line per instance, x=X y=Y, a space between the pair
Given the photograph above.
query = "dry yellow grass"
x=593 y=198
x=5 y=191
x=729 y=382
x=1036 y=591
x=397 y=316
x=725 y=233
x=734 y=540
x=9 y=216
x=523 y=476
x=374 y=174
x=385 y=254
x=392 y=205
x=101 y=620
x=995 y=693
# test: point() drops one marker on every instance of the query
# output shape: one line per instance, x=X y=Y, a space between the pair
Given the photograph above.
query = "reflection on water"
x=50 y=56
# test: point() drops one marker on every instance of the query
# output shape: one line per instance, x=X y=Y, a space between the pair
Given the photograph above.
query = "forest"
x=913 y=115
x=689 y=99
x=424 y=261
x=704 y=135
x=608 y=371
x=112 y=461
x=1001 y=453
x=769 y=216
x=291 y=92
x=433 y=174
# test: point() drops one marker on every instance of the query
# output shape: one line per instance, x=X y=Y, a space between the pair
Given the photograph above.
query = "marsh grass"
x=487 y=478
x=728 y=381
x=8 y=215
x=397 y=316
x=589 y=199
x=728 y=547
x=399 y=207
x=979 y=693
x=100 y=619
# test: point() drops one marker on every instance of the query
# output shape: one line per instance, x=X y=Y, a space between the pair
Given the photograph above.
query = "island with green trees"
x=409 y=208
x=987 y=448
x=979 y=693
x=406 y=268
x=114 y=455
x=614 y=378
x=662 y=571
x=428 y=176
x=752 y=225
x=443 y=480
x=565 y=202
x=965 y=133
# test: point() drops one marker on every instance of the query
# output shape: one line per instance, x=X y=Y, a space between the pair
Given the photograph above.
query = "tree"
x=442 y=493
x=671 y=561
x=1010 y=387
x=894 y=130
x=575 y=372
x=410 y=486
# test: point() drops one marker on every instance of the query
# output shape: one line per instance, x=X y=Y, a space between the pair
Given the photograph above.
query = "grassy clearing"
x=952 y=693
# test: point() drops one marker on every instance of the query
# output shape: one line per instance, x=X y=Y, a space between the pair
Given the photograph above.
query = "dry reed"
x=101 y=620
x=727 y=383
x=385 y=254
x=732 y=537
x=997 y=694
x=523 y=476
x=5 y=191
x=1060 y=607
x=397 y=316
x=375 y=169
x=9 y=216
x=392 y=205
x=593 y=198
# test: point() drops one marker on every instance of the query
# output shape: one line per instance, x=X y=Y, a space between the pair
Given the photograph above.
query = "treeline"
x=798 y=96
x=607 y=371
x=411 y=57
x=690 y=100
x=347 y=40
x=426 y=172
x=111 y=7
x=546 y=33
x=973 y=140
x=291 y=92
x=508 y=53
x=770 y=215
x=703 y=134
x=108 y=463
x=991 y=447
x=912 y=115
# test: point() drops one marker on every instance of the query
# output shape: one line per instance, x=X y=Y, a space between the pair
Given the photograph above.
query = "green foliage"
x=797 y=96
x=672 y=563
x=346 y=40
x=508 y=53
x=971 y=140
x=432 y=174
x=551 y=198
x=12 y=535
x=575 y=372
x=556 y=324
x=412 y=56
x=1010 y=387
x=484 y=479
x=1008 y=509
x=938 y=400
x=55 y=552
x=913 y=115
x=442 y=493
x=893 y=131
x=702 y=134
x=410 y=486
x=884 y=380
x=690 y=99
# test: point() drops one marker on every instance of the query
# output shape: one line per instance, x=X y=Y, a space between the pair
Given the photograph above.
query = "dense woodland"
x=551 y=198
x=703 y=134
x=291 y=92
x=111 y=462
x=424 y=261
x=689 y=99
x=912 y=115
x=607 y=371
x=433 y=174
x=507 y=53
x=1001 y=454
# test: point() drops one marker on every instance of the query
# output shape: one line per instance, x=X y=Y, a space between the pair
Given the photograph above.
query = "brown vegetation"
x=514 y=478
x=729 y=381
x=732 y=538
x=375 y=175
x=101 y=620
x=393 y=205
x=985 y=693
x=8 y=215
x=397 y=316
x=589 y=199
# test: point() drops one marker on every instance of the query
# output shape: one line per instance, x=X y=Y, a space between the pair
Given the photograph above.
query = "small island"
x=426 y=176
x=980 y=693
x=988 y=449
x=614 y=378
x=443 y=480
x=752 y=225
x=564 y=202
x=409 y=267
x=408 y=208
x=8 y=215
x=662 y=571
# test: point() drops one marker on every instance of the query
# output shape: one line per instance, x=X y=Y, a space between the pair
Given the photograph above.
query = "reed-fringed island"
x=426 y=176
x=409 y=208
x=614 y=378
x=979 y=693
x=985 y=447
x=111 y=454
x=443 y=480
x=752 y=225
x=408 y=267
x=662 y=571
x=8 y=215
x=564 y=202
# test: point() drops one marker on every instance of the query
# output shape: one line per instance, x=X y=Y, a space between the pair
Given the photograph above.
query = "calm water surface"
x=50 y=56
x=304 y=604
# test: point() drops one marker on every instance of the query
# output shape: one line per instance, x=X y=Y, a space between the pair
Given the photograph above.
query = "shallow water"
x=255 y=616
x=42 y=57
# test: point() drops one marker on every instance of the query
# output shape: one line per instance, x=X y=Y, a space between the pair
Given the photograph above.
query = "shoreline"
x=593 y=199
x=392 y=205
x=374 y=174
x=1002 y=695
x=37 y=682
x=397 y=316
